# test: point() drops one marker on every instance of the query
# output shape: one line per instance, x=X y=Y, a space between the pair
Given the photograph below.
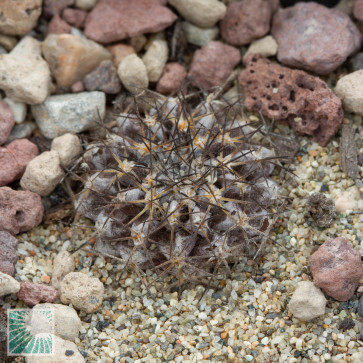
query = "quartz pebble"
x=18 y=108
x=32 y=293
x=83 y=292
x=119 y=52
x=8 y=285
x=313 y=37
x=43 y=173
x=336 y=268
x=348 y=200
x=20 y=210
x=24 y=74
x=202 y=13
x=63 y=264
x=350 y=90
x=8 y=255
x=199 y=36
x=66 y=321
x=171 y=79
x=155 y=59
x=6 y=121
x=266 y=46
x=68 y=147
x=69 y=113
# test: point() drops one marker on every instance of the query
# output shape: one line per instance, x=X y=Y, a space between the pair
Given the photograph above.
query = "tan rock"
x=8 y=42
x=68 y=147
x=348 y=200
x=71 y=57
x=119 y=52
x=155 y=59
x=266 y=46
x=63 y=264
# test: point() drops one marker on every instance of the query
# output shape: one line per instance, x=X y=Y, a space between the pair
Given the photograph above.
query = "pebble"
x=114 y=20
x=6 y=121
x=43 y=173
x=66 y=320
x=20 y=210
x=8 y=253
x=85 y=4
x=321 y=209
x=138 y=42
x=245 y=21
x=171 y=79
x=358 y=10
x=313 y=37
x=71 y=57
x=155 y=59
x=18 y=108
x=348 y=200
x=303 y=101
x=8 y=42
x=33 y=293
x=55 y=7
x=358 y=62
x=22 y=131
x=103 y=78
x=307 y=302
x=8 y=285
x=14 y=158
x=63 y=264
x=58 y=26
x=83 y=292
x=68 y=147
x=77 y=87
x=199 y=36
x=336 y=268
x=24 y=74
x=266 y=46
x=212 y=64
x=350 y=90
x=360 y=307
x=16 y=19
x=75 y=17
x=119 y=52
x=202 y=13
x=133 y=74
x=69 y=113
x=64 y=351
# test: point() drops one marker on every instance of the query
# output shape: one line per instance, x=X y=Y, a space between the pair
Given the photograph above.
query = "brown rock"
x=212 y=64
x=313 y=37
x=119 y=52
x=75 y=17
x=8 y=255
x=358 y=10
x=6 y=121
x=336 y=268
x=14 y=158
x=20 y=210
x=32 y=293
x=292 y=96
x=171 y=79
x=113 y=20
x=58 y=26
x=55 y=7
x=104 y=78
x=246 y=21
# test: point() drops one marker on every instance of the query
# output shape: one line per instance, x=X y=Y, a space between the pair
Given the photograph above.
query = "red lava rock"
x=20 y=210
x=58 y=26
x=77 y=87
x=212 y=64
x=32 y=293
x=55 y=7
x=104 y=78
x=336 y=268
x=14 y=158
x=358 y=10
x=292 y=96
x=113 y=20
x=6 y=121
x=75 y=17
x=313 y=37
x=8 y=255
x=246 y=21
x=171 y=78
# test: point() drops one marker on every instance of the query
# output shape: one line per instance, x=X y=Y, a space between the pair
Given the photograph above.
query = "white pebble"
x=8 y=285
x=18 y=108
x=155 y=59
x=68 y=147
x=133 y=74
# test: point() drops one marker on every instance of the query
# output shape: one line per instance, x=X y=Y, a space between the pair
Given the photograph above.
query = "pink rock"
x=6 y=121
x=20 y=211
x=8 y=256
x=55 y=7
x=292 y=96
x=58 y=26
x=77 y=87
x=75 y=17
x=171 y=79
x=212 y=64
x=313 y=37
x=14 y=158
x=113 y=20
x=32 y=293
x=336 y=268
x=246 y=21
x=358 y=10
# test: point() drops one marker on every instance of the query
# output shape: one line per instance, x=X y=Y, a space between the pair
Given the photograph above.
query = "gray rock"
x=22 y=131
x=358 y=62
x=69 y=113
x=360 y=307
x=8 y=255
x=199 y=36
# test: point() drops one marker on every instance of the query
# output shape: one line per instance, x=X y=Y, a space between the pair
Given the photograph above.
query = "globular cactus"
x=180 y=189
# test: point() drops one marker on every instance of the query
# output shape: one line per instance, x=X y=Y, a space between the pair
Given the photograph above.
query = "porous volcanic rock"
x=32 y=293
x=6 y=121
x=303 y=101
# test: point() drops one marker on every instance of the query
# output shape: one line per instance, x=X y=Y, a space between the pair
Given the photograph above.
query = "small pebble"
x=32 y=293
x=8 y=285
x=68 y=147
x=63 y=264
x=155 y=59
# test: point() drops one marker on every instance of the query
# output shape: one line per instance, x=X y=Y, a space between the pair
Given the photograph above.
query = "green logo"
x=30 y=332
